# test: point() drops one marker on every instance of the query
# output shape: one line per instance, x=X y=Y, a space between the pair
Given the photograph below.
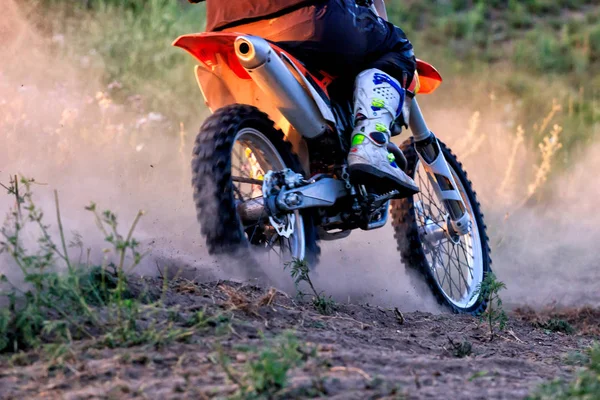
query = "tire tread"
x=211 y=176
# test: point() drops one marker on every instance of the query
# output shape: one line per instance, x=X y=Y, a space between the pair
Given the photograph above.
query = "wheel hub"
x=253 y=154
x=432 y=232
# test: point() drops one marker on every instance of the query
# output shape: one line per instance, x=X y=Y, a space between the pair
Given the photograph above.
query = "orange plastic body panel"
x=429 y=77
x=205 y=47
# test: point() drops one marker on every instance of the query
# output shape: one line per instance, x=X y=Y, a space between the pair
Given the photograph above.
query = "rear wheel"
x=235 y=148
x=452 y=267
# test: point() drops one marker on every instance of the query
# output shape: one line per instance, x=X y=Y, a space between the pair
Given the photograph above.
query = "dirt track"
x=362 y=352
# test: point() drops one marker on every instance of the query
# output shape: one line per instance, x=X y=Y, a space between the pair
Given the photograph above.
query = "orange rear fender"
x=428 y=78
x=206 y=46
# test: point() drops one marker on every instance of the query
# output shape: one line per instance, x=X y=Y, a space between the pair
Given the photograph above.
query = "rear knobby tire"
x=214 y=198
x=410 y=244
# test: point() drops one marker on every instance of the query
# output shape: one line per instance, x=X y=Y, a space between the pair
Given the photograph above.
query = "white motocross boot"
x=378 y=99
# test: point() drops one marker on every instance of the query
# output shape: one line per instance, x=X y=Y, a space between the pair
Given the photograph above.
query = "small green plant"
x=556 y=325
x=462 y=349
x=266 y=373
x=63 y=299
x=494 y=315
x=577 y=358
x=478 y=374
x=300 y=273
x=25 y=321
x=586 y=384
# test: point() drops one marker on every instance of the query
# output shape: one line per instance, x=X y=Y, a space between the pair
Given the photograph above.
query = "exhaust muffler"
x=275 y=79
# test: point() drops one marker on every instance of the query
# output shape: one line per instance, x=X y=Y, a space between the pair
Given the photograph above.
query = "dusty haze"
x=58 y=124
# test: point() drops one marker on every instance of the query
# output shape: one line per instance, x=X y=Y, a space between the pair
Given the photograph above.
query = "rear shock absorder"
x=438 y=172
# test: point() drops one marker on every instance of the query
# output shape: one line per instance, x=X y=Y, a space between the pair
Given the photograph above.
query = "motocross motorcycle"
x=270 y=170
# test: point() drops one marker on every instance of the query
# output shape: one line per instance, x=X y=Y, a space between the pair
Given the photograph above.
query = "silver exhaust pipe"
x=276 y=80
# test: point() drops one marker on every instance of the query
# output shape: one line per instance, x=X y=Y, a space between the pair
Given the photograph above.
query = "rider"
x=344 y=38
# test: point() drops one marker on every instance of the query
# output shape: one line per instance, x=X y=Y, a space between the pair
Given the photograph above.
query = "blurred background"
x=94 y=101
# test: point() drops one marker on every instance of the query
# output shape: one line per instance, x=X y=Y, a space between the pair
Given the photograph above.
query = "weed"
x=24 y=322
x=508 y=178
x=317 y=325
x=266 y=373
x=324 y=305
x=586 y=384
x=201 y=321
x=556 y=325
x=472 y=141
x=300 y=273
x=238 y=300
x=59 y=306
x=577 y=358
x=478 y=374
x=494 y=315
x=548 y=148
x=462 y=349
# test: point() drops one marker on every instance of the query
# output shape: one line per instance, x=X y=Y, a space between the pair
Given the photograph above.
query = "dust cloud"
x=543 y=249
x=60 y=125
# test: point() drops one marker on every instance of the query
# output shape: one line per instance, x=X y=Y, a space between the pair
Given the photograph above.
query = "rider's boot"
x=378 y=99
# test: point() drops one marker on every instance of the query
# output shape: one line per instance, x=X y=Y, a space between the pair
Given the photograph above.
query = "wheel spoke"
x=260 y=219
x=450 y=254
x=470 y=253
x=238 y=191
x=435 y=259
x=449 y=269
x=458 y=267
x=243 y=179
x=446 y=273
x=429 y=196
x=455 y=264
x=239 y=153
x=271 y=244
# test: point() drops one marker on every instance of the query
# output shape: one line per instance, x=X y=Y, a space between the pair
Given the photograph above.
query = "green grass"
x=556 y=325
x=129 y=42
x=585 y=385
x=529 y=52
x=265 y=374
x=63 y=298
x=526 y=52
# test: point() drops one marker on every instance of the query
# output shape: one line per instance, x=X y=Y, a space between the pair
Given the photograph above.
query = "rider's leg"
x=347 y=40
x=378 y=101
x=354 y=40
